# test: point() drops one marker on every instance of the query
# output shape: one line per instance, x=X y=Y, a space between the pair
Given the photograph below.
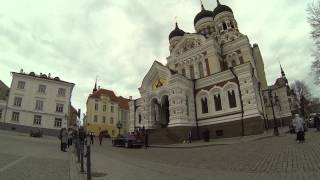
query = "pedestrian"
x=69 y=137
x=64 y=139
x=189 y=136
x=100 y=138
x=60 y=138
x=91 y=138
x=299 y=128
x=317 y=122
x=146 y=139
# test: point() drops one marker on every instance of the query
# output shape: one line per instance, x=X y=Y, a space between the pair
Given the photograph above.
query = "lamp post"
x=119 y=126
x=275 y=128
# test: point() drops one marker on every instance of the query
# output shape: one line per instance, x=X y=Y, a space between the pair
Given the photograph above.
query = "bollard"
x=81 y=157
x=78 y=149
x=88 y=162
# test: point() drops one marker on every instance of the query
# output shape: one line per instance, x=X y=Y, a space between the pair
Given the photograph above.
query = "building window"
x=112 y=109
x=204 y=105
x=95 y=118
x=184 y=72
x=61 y=92
x=59 y=108
x=224 y=26
x=217 y=102
x=103 y=119
x=232 y=99
x=0 y=113
x=104 y=108
x=96 y=106
x=201 y=72
x=21 y=84
x=42 y=88
x=17 y=101
x=39 y=105
x=57 y=122
x=15 y=116
x=37 y=120
x=111 y=120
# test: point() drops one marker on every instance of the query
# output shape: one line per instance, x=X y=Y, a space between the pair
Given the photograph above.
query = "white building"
x=213 y=80
x=37 y=101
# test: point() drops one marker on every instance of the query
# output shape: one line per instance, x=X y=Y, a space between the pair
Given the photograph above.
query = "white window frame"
x=39 y=105
x=15 y=116
x=17 y=101
x=37 y=120
x=59 y=108
x=57 y=122
x=21 y=84
x=62 y=92
x=42 y=88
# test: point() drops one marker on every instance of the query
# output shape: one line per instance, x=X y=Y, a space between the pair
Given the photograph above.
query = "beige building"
x=105 y=111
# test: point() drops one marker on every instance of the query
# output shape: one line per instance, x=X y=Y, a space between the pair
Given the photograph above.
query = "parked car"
x=130 y=141
x=36 y=133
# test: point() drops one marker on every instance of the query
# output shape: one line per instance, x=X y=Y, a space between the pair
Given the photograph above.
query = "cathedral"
x=213 y=80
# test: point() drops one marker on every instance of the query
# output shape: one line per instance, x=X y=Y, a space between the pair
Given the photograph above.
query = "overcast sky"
x=118 y=40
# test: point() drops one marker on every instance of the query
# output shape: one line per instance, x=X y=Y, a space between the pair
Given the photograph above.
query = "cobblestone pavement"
x=27 y=158
x=271 y=158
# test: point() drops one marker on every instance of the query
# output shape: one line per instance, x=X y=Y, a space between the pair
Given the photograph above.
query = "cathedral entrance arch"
x=160 y=111
x=164 y=111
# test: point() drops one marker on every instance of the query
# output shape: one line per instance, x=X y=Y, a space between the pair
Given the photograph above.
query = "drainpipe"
x=241 y=102
x=195 y=108
x=134 y=115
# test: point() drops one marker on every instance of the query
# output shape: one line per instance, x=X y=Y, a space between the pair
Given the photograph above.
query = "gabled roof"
x=123 y=102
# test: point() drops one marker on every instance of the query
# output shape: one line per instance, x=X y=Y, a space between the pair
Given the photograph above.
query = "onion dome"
x=176 y=32
x=221 y=8
x=202 y=14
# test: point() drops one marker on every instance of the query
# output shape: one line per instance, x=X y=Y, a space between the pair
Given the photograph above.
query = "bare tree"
x=313 y=11
x=303 y=96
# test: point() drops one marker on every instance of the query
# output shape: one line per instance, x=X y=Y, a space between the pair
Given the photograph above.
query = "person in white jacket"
x=299 y=128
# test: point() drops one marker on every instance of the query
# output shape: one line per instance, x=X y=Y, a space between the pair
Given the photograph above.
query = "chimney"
x=130 y=97
x=49 y=75
x=21 y=70
x=98 y=87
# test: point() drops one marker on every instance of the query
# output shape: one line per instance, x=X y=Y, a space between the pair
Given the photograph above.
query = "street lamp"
x=119 y=126
x=275 y=128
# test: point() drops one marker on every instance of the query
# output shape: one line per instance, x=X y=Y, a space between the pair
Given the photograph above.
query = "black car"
x=36 y=133
x=130 y=141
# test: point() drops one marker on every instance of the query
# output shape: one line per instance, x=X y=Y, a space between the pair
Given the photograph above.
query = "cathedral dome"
x=176 y=32
x=221 y=8
x=202 y=14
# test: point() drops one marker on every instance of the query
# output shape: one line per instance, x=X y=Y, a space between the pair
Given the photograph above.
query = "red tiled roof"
x=123 y=102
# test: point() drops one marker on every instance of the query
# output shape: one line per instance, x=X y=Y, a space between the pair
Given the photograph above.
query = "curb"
x=74 y=173
x=209 y=145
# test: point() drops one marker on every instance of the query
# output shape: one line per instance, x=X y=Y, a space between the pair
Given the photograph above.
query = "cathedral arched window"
x=232 y=99
x=184 y=72
x=217 y=102
x=224 y=26
x=201 y=72
x=233 y=63
x=191 y=72
x=204 y=105
x=140 y=118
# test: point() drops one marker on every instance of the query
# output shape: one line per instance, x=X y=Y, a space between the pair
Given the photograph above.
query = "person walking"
x=189 y=136
x=91 y=138
x=299 y=128
x=64 y=139
x=100 y=138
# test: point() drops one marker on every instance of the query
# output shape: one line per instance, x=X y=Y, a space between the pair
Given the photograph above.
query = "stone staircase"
x=163 y=136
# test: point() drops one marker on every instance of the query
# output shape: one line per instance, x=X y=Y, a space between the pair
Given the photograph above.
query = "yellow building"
x=105 y=111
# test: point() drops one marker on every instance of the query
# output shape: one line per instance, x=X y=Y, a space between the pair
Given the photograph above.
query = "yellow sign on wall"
x=158 y=84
